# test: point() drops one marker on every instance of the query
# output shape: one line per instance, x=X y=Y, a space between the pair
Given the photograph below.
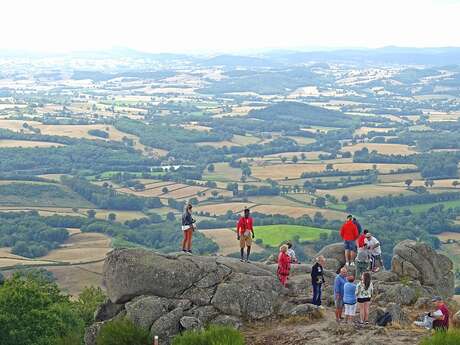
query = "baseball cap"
x=436 y=299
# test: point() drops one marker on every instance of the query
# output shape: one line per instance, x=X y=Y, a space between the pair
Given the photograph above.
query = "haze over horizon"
x=223 y=26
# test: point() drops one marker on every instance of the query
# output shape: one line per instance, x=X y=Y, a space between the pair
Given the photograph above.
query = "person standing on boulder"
x=317 y=280
x=188 y=227
x=349 y=234
x=245 y=234
x=364 y=291
x=339 y=283
x=284 y=264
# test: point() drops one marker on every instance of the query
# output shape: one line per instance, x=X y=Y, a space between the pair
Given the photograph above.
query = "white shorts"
x=350 y=309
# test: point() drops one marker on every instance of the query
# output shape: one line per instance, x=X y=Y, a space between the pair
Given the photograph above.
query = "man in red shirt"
x=441 y=323
x=349 y=233
x=245 y=234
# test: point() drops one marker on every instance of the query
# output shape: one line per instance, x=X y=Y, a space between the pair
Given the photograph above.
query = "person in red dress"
x=284 y=265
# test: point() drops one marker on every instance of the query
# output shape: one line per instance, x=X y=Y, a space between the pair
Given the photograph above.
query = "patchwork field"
x=220 y=209
x=297 y=212
x=275 y=235
x=388 y=149
x=281 y=171
x=223 y=172
x=367 y=191
x=226 y=240
x=76 y=264
x=366 y=130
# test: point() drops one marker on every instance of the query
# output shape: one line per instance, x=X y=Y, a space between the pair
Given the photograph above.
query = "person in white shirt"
x=375 y=250
x=291 y=253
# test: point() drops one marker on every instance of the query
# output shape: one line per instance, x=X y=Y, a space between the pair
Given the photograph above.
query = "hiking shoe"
x=242 y=260
x=189 y=252
x=247 y=261
x=352 y=264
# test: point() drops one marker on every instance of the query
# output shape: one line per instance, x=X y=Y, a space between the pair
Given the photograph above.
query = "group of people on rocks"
x=353 y=287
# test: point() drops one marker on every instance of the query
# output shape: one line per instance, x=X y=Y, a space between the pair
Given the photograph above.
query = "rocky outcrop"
x=166 y=294
x=418 y=261
x=334 y=254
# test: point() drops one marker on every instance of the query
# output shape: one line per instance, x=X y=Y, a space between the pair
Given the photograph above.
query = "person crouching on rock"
x=245 y=234
x=317 y=280
x=188 y=227
x=284 y=264
x=339 y=283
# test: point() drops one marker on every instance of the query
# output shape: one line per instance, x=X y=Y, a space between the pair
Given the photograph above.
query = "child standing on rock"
x=284 y=264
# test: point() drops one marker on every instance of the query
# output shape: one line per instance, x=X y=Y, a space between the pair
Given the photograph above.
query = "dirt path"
x=325 y=331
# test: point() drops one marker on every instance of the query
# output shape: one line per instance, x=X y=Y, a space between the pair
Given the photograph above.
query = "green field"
x=274 y=235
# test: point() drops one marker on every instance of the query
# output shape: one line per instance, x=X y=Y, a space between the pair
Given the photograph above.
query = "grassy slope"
x=273 y=235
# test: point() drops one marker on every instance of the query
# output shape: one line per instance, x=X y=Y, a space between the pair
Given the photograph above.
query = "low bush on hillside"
x=122 y=332
x=452 y=337
x=214 y=335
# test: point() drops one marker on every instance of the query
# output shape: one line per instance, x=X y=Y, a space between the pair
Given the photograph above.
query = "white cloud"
x=224 y=25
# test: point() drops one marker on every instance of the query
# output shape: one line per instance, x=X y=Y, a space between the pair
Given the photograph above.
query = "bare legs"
x=187 y=241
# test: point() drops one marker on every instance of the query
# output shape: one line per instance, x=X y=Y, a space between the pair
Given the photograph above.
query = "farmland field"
x=297 y=212
x=280 y=171
x=226 y=240
x=274 y=235
x=368 y=191
x=388 y=149
x=220 y=209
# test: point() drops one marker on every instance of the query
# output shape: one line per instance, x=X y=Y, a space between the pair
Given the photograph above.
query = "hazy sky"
x=226 y=25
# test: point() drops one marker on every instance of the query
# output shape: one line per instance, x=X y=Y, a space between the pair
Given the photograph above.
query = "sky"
x=206 y=26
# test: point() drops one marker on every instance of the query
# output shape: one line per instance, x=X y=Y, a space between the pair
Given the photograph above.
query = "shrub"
x=214 y=335
x=122 y=332
x=452 y=337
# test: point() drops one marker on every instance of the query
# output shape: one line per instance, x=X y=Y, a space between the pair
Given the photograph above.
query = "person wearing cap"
x=188 y=227
x=440 y=323
x=349 y=234
x=245 y=234
x=375 y=251
x=284 y=265
x=291 y=253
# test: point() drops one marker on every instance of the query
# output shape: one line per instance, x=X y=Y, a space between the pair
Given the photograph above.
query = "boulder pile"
x=167 y=294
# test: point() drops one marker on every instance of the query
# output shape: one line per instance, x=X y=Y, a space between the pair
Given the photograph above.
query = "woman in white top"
x=364 y=291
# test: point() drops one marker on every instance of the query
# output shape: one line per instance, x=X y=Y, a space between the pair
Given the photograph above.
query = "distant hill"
x=239 y=61
x=386 y=55
x=303 y=114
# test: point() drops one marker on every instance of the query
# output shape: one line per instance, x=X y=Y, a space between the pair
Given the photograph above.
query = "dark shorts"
x=338 y=302
x=350 y=245
x=363 y=300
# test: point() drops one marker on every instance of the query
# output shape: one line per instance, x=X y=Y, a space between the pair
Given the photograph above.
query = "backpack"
x=384 y=319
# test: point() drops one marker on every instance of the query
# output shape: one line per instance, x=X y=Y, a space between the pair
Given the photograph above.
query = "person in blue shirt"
x=349 y=298
x=339 y=283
